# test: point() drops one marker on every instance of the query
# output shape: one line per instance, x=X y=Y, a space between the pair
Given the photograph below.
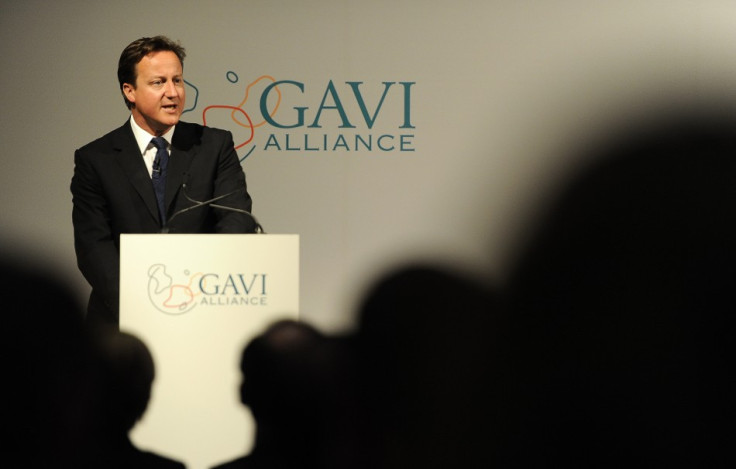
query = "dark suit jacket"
x=112 y=193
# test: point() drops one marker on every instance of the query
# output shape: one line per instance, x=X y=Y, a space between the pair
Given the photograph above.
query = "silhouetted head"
x=43 y=359
x=278 y=367
x=424 y=351
x=125 y=374
x=623 y=302
x=289 y=382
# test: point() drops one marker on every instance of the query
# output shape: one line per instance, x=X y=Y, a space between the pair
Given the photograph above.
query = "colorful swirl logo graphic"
x=238 y=114
x=169 y=297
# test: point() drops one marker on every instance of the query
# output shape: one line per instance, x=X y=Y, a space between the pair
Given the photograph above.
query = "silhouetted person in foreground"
x=43 y=360
x=425 y=348
x=288 y=380
x=623 y=308
x=124 y=377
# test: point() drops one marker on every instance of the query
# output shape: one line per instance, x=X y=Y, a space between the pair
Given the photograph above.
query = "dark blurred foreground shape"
x=70 y=394
x=622 y=326
x=425 y=350
x=611 y=343
x=123 y=377
x=45 y=369
x=409 y=389
x=294 y=382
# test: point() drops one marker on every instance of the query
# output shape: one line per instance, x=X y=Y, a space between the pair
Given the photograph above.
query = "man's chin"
x=167 y=123
x=171 y=119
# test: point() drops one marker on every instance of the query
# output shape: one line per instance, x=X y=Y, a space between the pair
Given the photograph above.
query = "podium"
x=196 y=300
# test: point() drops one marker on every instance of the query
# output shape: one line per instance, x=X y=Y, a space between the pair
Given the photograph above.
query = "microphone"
x=211 y=203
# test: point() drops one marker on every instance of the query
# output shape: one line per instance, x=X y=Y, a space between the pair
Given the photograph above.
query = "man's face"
x=158 y=93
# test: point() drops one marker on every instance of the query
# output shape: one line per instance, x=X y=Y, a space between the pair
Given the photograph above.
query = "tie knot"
x=159 y=142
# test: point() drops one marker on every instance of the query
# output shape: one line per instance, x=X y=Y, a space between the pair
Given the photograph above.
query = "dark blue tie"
x=159 y=174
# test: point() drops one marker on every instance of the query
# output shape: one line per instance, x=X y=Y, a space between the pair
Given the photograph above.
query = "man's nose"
x=171 y=90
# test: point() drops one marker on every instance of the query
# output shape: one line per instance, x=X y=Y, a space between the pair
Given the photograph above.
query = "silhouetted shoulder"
x=146 y=460
x=240 y=463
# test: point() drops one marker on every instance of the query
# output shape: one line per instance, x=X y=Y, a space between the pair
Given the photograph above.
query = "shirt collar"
x=143 y=138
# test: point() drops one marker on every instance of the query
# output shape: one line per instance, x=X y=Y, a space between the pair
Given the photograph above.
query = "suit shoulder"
x=188 y=135
x=201 y=130
x=107 y=141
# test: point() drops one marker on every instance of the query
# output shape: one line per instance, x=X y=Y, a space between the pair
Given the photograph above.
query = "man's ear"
x=129 y=92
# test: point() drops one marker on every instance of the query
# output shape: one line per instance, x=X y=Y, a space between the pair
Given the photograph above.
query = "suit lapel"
x=130 y=160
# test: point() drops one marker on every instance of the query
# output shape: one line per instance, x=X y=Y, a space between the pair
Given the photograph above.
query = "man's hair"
x=135 y=52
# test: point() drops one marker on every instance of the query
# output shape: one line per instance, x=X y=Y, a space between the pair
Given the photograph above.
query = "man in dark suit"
x=131 y=181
